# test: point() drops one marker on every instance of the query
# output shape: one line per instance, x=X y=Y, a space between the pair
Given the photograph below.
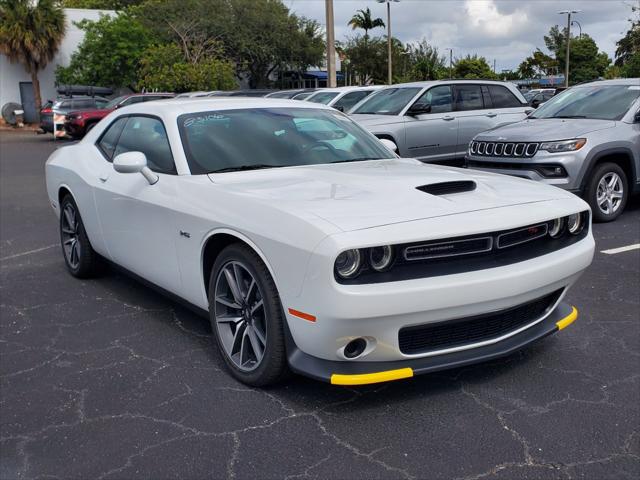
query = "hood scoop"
x=447 y=188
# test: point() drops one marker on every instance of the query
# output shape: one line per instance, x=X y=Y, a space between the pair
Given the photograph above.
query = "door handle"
x=104 y=177
x=491 y=115
x=448 y=118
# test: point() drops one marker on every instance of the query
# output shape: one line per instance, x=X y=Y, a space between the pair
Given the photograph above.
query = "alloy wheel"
x=70 y=236
x=240 y=316
x=610 y=193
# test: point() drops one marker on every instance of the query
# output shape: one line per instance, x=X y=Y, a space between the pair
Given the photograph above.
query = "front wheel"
x=246 y=317
x=81 y=260
x=607 y=192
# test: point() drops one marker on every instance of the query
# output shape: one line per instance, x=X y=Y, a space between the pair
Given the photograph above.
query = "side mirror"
x=535 y=103
x=134 y=162
x=340 y=108
x=636 y=117
x=419 y=108
x=389 y=144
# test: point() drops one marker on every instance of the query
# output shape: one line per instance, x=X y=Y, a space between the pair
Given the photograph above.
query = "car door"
x=473 y=116
x=432 y=137
x=136 y=218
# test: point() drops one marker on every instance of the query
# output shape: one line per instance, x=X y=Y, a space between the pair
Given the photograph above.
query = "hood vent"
x=446 y=188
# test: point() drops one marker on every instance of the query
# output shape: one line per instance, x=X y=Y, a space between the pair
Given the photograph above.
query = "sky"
x=505 y=30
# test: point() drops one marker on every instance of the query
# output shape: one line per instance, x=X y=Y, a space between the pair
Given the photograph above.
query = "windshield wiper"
x=257 y=166
x=363 y=159
x=568 y=116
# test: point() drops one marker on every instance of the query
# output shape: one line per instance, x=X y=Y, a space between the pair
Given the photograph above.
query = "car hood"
x=369 y=120
x=544 y=129
x=354 y=196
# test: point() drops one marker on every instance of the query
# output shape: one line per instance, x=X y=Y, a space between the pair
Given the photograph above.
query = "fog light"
x=574 y=223
x=556 y=228
x=355 y=348
x=348 y=263
x=381 y=257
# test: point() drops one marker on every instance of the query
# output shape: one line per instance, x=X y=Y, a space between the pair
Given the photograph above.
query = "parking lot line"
x=613 y=251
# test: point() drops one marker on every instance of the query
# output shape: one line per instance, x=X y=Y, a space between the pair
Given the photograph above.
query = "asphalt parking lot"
x=107 y=379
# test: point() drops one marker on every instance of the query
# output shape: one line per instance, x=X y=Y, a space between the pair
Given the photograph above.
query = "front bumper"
x=362 y=373
x=572 y=162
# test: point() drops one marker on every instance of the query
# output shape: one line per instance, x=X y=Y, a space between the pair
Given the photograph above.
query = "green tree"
x=538 y=64
x=163 y=67
x=259 y=36
x=425 y=62
x=628 y=47
x=30 y=34
x=472 y=67
x=101 y=4
x=110 y=53
x=585 y=61
x=368 y=59
x=631 y=68
x=364 y=21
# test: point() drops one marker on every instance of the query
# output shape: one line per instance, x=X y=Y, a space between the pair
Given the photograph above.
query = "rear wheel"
x=246 y=317
x=81 y=260
x=607 y=192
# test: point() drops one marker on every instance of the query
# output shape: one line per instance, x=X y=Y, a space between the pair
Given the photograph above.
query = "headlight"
x=564 y=145
x=381 y=257
x=556 y=227
x=348 y=263
x=574 y=223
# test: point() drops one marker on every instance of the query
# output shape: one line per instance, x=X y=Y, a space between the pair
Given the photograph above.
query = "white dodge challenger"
x=311 y=246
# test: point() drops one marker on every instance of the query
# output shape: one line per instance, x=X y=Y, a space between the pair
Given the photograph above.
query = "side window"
x=350 y=99
x=439 y=98
x=66 y=104
x=131 y=101
x=151 y=98
x=502 y=97
x=147 y=135
x=109 y=139
x=84 y=103
x=100 y=103
x=468 y=97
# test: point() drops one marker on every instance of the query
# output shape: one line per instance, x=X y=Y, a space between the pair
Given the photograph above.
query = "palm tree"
x=362 y=19
x=30 y=33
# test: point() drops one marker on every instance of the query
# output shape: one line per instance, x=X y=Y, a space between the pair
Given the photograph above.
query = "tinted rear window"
x=502 y=97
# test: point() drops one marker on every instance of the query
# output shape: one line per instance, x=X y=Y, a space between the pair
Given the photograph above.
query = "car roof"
x=180 y=106
x=619 y=81
x=352 y=88
x=429 y=83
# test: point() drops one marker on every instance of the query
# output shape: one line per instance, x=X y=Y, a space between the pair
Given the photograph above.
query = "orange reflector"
x=302 y=315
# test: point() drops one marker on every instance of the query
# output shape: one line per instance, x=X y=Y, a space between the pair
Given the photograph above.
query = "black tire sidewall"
x=592 y=191
x=88 y=258
x=273 y=367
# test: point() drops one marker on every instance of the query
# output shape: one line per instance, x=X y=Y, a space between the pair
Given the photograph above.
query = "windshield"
x=113 y=103
x=529 y=95
x=246 y=139
x=389 y=101
x=599 y=102
x=302 y=96
x=322 y=97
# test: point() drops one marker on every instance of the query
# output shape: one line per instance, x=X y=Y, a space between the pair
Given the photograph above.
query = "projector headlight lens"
x=557 y=227
x=381 y=258
x=574 y=223
x=348 y=263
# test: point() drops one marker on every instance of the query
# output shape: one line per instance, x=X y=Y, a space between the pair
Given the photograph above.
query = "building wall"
x=11 y=74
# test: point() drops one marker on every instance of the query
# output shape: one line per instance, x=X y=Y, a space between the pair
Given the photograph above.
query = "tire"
x=80 y=258
x=607 y=192
x=258 y=323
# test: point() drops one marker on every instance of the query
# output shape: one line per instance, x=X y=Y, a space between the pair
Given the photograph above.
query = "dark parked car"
x=78 y=123
x=65 y=105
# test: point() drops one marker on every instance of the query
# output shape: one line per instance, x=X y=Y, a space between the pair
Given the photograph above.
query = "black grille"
x=503 y=149
x=445 y=188
x=465 y=331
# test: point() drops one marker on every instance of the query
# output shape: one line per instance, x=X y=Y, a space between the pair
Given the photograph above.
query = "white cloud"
x=484 y=15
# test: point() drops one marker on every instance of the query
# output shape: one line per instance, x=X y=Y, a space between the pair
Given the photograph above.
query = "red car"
x=78 y=123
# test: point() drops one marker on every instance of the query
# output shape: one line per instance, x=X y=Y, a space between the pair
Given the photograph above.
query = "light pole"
x=331 y=45
x=566 y=64
x=390 y=68
x=450 y=62
x=579 y=26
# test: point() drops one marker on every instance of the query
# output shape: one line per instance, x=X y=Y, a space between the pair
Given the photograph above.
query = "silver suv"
x=586 y=140
x=434 y=121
